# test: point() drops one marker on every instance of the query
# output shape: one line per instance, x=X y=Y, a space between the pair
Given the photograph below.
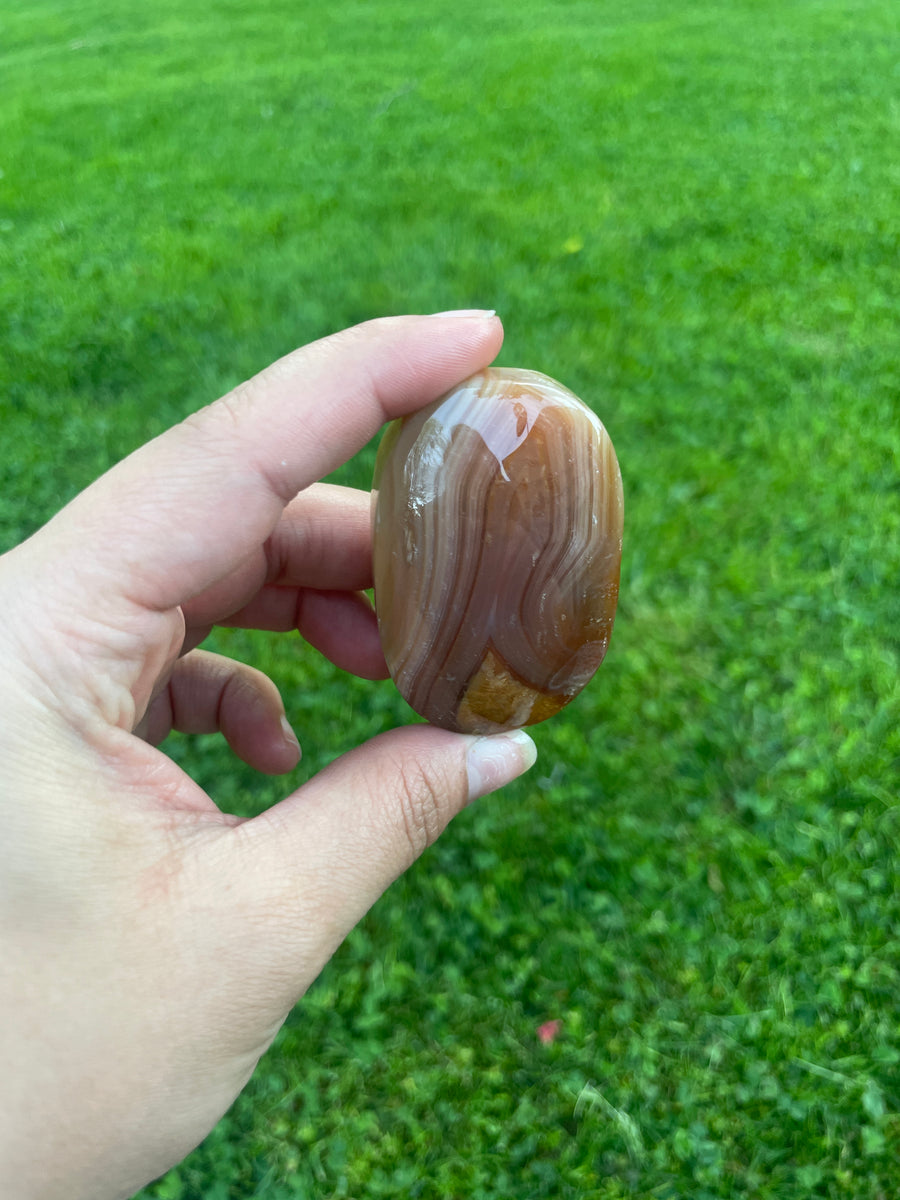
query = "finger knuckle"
x=422 y=799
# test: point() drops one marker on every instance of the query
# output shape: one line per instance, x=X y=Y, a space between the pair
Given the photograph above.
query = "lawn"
x=690 y=214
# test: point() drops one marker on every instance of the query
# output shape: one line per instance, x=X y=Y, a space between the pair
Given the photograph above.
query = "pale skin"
x=150 y=945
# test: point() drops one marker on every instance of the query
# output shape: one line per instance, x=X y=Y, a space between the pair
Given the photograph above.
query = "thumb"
x=332 y=848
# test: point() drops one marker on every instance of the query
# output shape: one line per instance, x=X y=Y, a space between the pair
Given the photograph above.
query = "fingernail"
x=289 y=736
x=467 y=312
x=497 y=760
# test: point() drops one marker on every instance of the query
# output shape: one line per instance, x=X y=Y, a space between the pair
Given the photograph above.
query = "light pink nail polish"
x=467 y=312
x=497 y=760
x=289 y=736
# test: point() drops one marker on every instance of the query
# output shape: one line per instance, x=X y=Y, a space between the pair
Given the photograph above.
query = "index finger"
x=188 y=508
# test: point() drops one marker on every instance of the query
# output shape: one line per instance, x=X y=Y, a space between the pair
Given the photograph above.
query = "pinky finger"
x=209 y=693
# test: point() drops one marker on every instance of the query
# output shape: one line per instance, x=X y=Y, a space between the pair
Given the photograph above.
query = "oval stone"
x=497 y=542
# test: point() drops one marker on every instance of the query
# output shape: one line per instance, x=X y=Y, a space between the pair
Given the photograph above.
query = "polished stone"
x=497 y=541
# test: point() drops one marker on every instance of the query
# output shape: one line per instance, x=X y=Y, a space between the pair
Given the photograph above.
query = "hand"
x=150 y=945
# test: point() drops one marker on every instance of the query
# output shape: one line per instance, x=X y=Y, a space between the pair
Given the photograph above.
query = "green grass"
x=689 y=214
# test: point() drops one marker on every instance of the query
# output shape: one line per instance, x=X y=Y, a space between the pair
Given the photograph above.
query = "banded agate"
x=497 y=542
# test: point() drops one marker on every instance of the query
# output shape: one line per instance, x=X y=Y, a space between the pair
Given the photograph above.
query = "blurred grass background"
x=689 y=214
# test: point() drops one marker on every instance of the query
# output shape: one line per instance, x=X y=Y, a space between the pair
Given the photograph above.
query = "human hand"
x=150 y=945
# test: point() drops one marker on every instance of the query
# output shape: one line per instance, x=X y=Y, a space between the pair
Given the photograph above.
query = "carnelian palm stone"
x=497 y=541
